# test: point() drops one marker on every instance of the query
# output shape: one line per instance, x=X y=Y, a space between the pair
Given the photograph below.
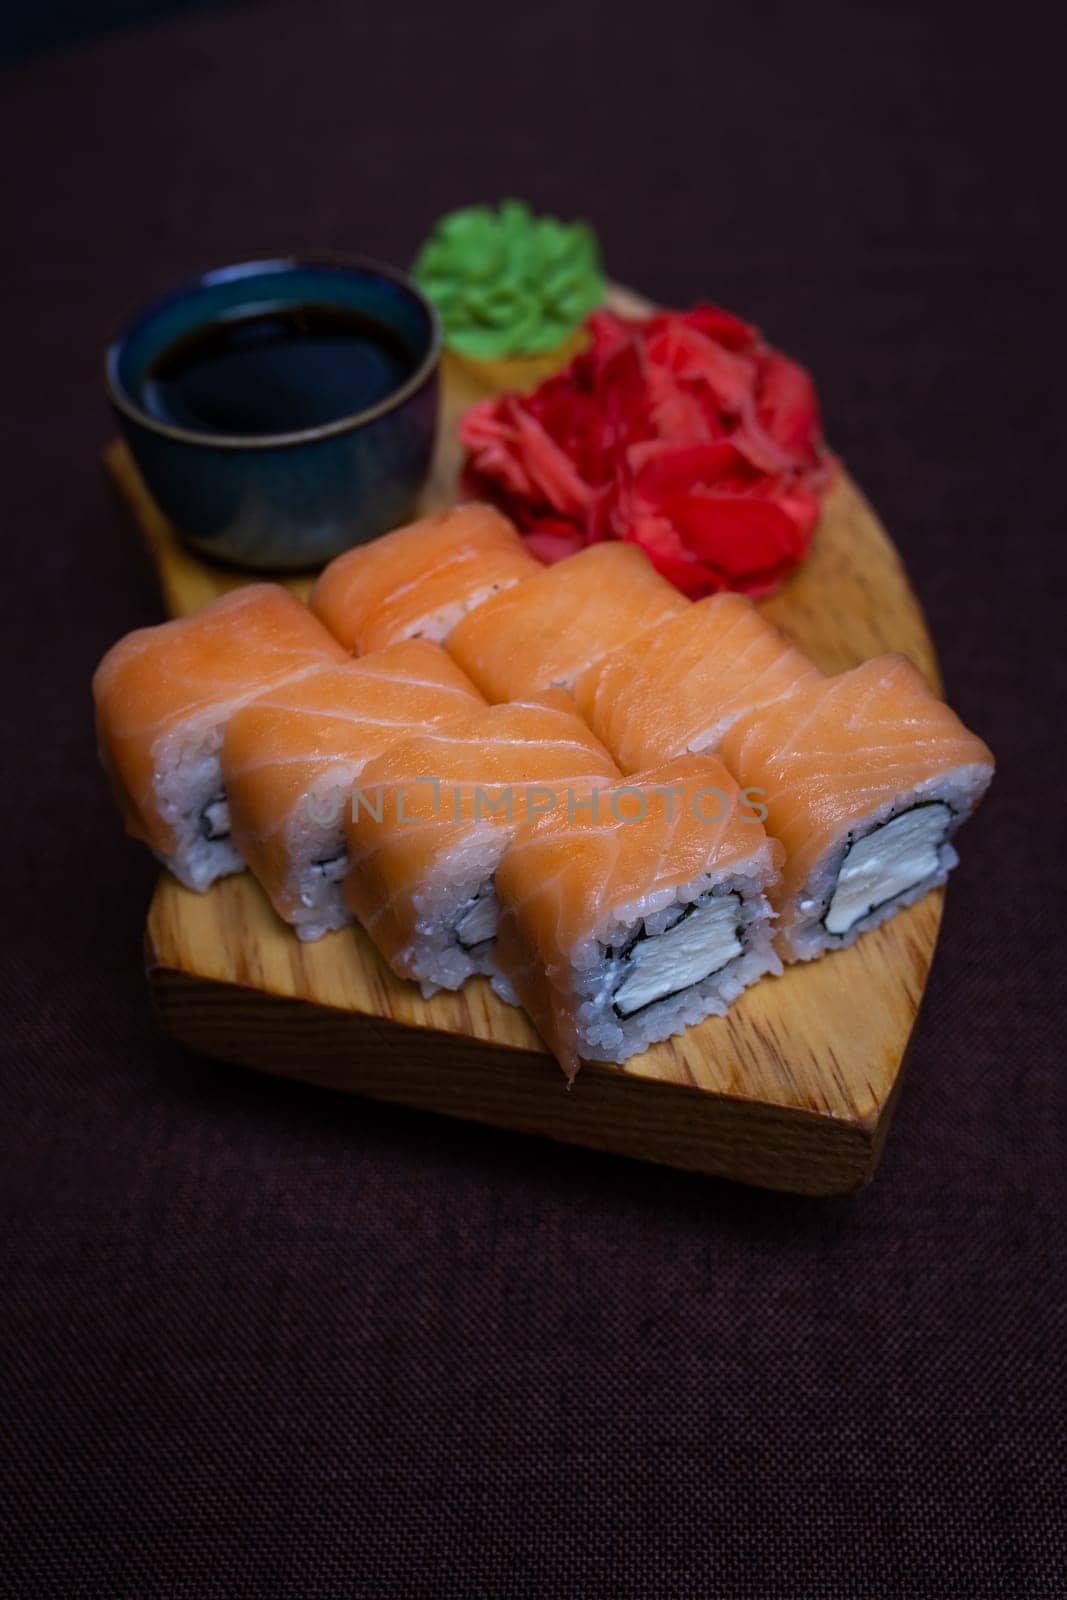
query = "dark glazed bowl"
x=282 y=502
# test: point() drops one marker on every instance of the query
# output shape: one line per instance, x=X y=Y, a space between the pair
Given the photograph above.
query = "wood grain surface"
x=792 y=1090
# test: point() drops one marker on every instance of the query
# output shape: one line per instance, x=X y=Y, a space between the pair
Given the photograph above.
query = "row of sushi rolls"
x=621 y=806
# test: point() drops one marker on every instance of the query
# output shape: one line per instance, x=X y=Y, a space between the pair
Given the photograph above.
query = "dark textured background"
x=259 y=1341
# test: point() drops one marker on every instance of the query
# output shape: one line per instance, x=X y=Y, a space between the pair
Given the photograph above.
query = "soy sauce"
x=276 y=369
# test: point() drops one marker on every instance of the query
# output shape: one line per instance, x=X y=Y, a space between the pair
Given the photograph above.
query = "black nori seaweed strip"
x=328 y=861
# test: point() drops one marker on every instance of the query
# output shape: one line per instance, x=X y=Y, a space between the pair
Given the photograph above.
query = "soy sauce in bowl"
x=276 y=369
x=281 y=411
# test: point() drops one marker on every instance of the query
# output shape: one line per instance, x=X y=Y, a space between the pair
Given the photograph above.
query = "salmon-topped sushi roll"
x=433 y=815
x=291 y=757
x=678 y=687
x=418 y=581
x=865 y=776
x=163 y=697
x=630 y=920
x=544 y=633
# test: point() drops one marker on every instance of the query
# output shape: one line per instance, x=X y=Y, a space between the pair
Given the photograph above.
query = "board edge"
x=789 y=1149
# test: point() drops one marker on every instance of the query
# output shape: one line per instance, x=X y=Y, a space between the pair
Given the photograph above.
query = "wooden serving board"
x=792 y=1090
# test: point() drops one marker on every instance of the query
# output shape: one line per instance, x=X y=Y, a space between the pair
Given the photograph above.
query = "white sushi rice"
x=316 y=886
x=188 y=780
x=318 y=857
x=456 y=915
x=190 y=793
x=828 y=900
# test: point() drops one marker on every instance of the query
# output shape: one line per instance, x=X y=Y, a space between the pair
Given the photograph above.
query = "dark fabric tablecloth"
x=258 y=1340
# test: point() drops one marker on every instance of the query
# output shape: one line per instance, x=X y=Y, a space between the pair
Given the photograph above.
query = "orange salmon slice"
x=164 y=694
x=677 y=688
x=420 y=579
x=544 y=633
x=291 y=756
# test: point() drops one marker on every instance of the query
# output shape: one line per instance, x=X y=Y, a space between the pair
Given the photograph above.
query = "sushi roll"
x=418 y=581
x=163 y=697
x=627 y=923
x=546 y=632
x=291 y=757
x=433 y=815
x=865 y=777
x=677 y=688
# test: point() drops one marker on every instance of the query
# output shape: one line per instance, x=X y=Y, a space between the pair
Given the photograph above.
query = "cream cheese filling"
x=479 y=921
x=215 y=819
x=885 y=863
x=701 y=942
